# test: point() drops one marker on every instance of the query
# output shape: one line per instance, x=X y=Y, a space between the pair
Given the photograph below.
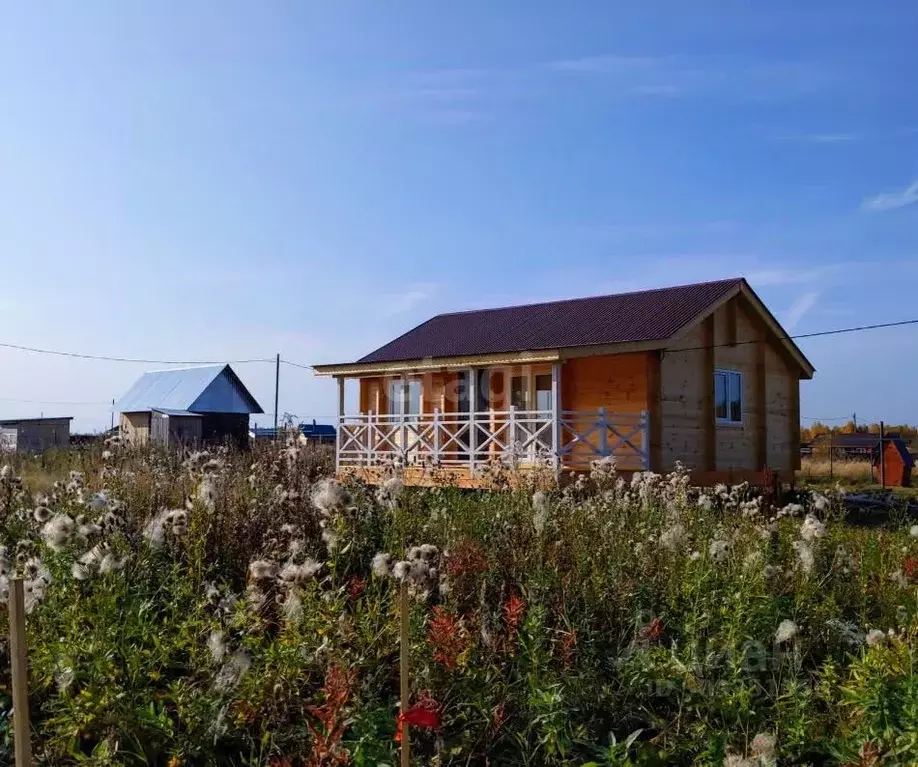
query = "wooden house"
x=188 y=406
x=897 y=462
x=700 y=374
x=859 y=445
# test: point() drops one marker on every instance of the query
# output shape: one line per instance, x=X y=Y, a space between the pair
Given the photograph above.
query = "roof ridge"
x=586 y=298
x=220 y=365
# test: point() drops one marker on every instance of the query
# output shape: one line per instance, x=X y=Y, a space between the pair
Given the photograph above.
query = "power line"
x=798 y=336
x=103 y=358
x=296 y=365
x=147 y=361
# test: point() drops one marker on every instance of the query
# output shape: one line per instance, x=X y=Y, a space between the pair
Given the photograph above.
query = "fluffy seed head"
x=401 y=570
x=58 y=531
x=764 y=744
x=381 y=564
x=787 y=630
x=875 y=637
x=262 y=570
x=216 y=645
x=812 y=529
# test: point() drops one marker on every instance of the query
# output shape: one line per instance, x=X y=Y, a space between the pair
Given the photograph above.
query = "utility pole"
x=854 y=418
x=113 y=413
x=276 y=392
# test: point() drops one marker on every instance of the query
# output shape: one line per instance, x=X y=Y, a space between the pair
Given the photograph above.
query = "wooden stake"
x=405 y=692
x=21 y=742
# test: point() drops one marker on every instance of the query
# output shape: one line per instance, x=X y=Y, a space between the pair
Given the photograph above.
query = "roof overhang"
x=358 y=369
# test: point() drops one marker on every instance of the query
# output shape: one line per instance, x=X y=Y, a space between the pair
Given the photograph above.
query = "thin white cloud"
x=892 y=200
x=800 y=308
x=832 y=138
x=735 y=77
x=405 y=301
x=608 y=64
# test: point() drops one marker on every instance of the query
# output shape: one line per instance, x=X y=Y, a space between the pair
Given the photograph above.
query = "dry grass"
x=816 y=469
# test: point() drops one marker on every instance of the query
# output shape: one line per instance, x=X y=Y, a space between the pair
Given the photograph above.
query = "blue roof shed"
x=318 y=430
x=197 y=390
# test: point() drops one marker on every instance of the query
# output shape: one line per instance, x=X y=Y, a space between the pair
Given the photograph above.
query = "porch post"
x=603 y=433
x=404 y=421
x=436 y=436
x=340 y=423
x=473 y=419
x=645 y=439
x=473 y=422
x=556 y=413
x=368 y=431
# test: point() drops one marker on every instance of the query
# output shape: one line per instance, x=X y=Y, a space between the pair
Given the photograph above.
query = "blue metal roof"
x=207 y=389
x=317 y=430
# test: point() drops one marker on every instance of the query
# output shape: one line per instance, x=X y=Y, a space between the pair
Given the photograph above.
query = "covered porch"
x=464 y=421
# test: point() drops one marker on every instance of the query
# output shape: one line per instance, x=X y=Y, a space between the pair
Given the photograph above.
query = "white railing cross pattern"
x=473 y=440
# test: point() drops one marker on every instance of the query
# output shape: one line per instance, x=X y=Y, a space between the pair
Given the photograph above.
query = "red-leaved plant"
x=447 y=637
x=513 y=611
x=330 y=723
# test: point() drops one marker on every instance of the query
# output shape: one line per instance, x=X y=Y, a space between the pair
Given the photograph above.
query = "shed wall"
x=185 y=430
x=37 y=436
x=225 y=427
x=159 y=427
x=136 y=427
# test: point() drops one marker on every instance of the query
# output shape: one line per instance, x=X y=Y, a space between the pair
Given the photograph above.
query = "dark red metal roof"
x=648 y=315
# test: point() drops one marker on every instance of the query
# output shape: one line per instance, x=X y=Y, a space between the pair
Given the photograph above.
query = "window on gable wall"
x=728 y=396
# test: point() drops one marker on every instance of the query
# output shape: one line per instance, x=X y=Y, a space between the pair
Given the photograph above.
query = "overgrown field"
x=851 y=472
x=241 y=609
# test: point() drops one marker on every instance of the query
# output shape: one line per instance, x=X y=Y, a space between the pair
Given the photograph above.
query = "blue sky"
x=227 y=180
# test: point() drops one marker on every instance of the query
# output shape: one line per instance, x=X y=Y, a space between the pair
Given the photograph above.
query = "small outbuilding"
x=188 y=406
x=34 y=435
x=897 y=463
x=319 y=433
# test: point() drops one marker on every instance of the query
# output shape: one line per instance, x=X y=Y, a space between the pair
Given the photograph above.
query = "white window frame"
x=728 y=421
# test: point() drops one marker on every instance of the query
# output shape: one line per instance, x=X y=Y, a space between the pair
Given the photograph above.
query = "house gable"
x=743 y=300
x=732 y=338
x=225 y=394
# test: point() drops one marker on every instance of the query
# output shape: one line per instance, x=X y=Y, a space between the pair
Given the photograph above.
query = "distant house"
x=187 y=406
x=317 y=433
x=701 y=375
x=34 y=435
x=857 y=446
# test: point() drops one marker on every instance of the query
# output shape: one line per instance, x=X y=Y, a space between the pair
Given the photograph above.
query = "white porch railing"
x=514 y=437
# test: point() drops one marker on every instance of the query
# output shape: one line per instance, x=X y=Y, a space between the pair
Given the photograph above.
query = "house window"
x=405 y=398
x=728 y=396
x=482 y=390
